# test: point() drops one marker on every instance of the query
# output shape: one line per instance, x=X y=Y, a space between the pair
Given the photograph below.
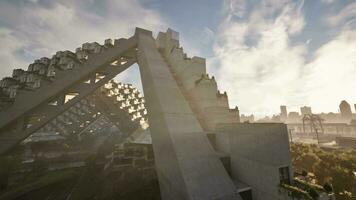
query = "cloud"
x=346 y=15
x=33 y=29
x=236 y=8
x=262 y=69
x=9 y=45
x=333 y=72
x=256 y=59
x=327 y=1
x=258 y=66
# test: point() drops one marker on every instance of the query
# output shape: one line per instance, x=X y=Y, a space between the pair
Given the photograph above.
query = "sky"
x=264 y=53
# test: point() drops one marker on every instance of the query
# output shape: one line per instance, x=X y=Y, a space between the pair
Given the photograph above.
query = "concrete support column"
x=186 y=164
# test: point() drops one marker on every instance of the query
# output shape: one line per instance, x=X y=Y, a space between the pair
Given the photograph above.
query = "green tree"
x=334 y=167
x=328 y=188
x=313 y=193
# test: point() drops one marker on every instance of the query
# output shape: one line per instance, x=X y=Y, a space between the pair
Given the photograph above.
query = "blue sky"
x=264 y=53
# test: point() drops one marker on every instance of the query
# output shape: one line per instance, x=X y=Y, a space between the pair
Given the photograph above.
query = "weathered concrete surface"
x=257 y=152
x=27 y=100
x=36 y=101
x=200 y=90
x=186 y=164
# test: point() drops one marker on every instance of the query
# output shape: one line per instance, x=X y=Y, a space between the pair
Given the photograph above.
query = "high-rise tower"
x=284 y=113
x=345 y=110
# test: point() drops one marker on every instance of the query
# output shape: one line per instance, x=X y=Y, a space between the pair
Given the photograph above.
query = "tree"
x=313 y=193
x=304 y=173
x=328 y=188
x=334 y=167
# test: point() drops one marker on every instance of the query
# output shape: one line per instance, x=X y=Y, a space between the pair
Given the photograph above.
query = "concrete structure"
x=113 y=104
x=284 y=113
x=247 y=118
x=186 y=170
x=259 y=156
x=345 y=115
x=348 y=142
x=293 y=116
x=345 y=110
x=195 y=134
x=305 y=110
x=130 y=156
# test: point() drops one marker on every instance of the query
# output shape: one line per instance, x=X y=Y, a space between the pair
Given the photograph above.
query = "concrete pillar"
x=186 y=164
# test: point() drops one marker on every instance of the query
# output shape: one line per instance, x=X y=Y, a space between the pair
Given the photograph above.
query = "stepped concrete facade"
x=183 y=152
x=201 y=149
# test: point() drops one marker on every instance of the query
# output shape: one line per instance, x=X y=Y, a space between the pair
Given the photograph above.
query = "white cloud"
x=10 y=44
x=262 y=76
x=236 y=8
x=261 y=69
x=333 y=72
x=41 y=28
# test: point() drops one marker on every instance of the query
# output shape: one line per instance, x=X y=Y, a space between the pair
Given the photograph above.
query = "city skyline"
x=284 y=110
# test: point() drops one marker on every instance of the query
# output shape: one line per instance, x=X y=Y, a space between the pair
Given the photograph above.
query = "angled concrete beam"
x=186 y=164
x=26 y=101
x=9 y=136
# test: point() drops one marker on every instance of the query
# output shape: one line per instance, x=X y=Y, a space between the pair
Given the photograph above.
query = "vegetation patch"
x=333 y=168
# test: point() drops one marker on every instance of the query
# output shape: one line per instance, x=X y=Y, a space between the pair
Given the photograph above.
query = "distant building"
x=345 y=110
x=293 y=116
x=305 y=110
x=284 y=113
x=349 y=142
x=247 y=118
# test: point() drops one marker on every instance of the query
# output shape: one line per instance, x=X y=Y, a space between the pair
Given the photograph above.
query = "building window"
x=284 y=177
